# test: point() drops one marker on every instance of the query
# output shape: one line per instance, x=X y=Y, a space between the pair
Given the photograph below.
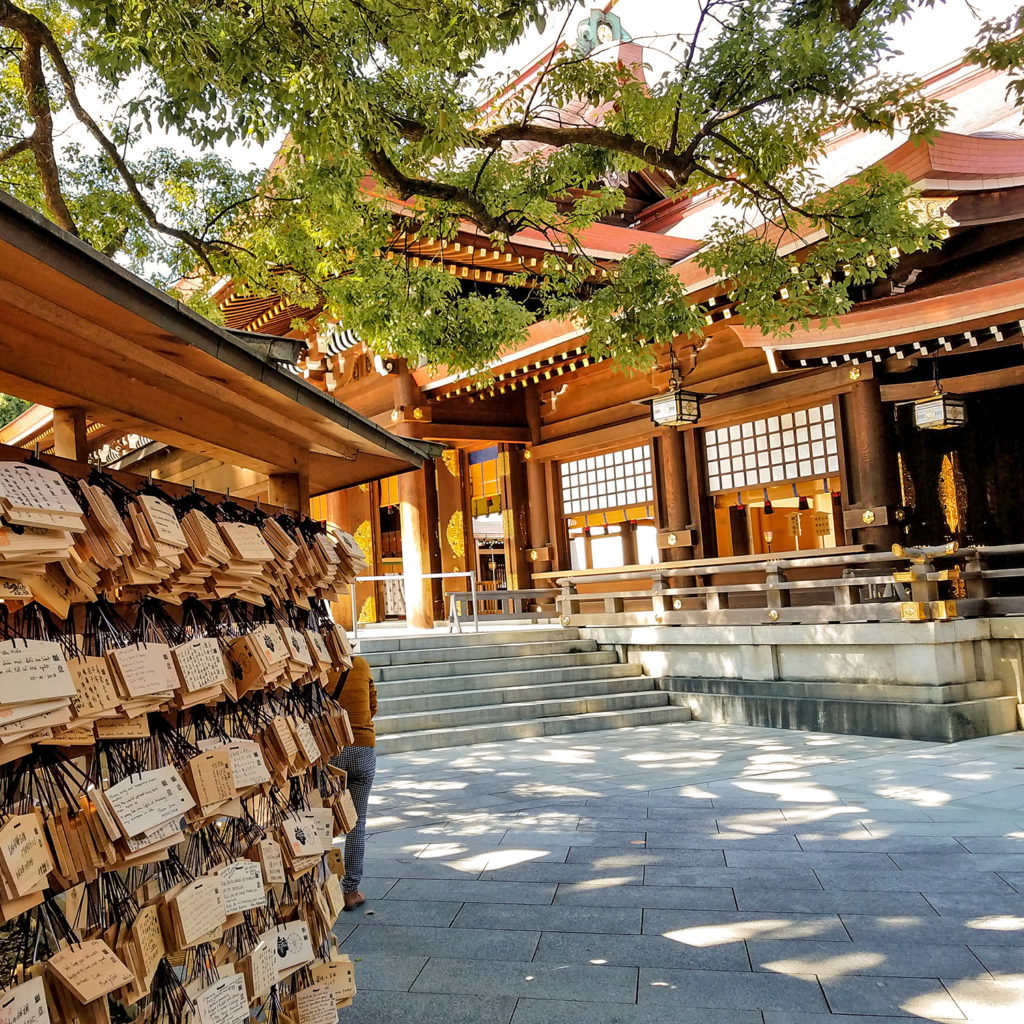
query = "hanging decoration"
x=167 y=803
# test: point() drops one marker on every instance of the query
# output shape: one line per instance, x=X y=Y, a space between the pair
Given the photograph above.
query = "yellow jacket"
x=359 y=698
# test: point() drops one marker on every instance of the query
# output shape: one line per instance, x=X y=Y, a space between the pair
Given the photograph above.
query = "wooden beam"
x=69 y=433
x=965 y=385
x=632 y=432
x=433 y=431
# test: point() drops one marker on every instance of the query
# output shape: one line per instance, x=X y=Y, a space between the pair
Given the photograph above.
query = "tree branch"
x=386 y=170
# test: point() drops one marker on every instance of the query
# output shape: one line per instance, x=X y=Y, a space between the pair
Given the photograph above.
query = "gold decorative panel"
x=953 y=493
x=455 y=534
x=450 y=458
x=368 y=613
x=364 y=538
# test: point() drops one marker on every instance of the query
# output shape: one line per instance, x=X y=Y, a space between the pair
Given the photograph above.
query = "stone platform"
x=694 y=874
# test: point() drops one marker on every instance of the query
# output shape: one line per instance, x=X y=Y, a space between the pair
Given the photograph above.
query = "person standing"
x=355 y=692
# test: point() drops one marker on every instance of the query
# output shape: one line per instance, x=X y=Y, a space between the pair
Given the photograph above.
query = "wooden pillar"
x=538 y=506
x=674 y=492
x=69 y=436
x=701 y=514
x=290 y=491
x=629 y=555
x=870 y=456
x=454 y=520
x=416 y=528
x=556 y=523
x=514 y=502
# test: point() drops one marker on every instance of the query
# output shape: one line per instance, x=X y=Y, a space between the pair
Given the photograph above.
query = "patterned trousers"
x=361 y=765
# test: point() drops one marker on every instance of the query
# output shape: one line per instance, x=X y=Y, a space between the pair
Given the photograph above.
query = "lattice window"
x=777 y=449
x=613 y=480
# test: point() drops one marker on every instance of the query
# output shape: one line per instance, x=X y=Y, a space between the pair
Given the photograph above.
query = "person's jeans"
x=361 y=765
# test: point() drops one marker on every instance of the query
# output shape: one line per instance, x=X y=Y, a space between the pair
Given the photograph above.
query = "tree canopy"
x=379 y=100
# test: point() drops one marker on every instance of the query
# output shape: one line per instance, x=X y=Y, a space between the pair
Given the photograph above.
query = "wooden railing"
x=839 y=585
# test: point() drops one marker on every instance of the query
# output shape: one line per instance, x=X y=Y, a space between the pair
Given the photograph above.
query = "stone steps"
x=523 y=663
x=562 y=725
x=524 y=695
x=439 y=690
x=370 y=645
x=938 y=723
x=389 y=688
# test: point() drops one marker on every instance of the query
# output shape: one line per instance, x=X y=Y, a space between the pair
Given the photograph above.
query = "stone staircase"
x=438 y=690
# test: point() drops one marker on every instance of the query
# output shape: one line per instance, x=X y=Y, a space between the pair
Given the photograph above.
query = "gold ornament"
x=368 y=613
x=450 y=458
x=908 y=493
x=455 y=534
x=953 y=493
x=364 y=538
x=867 y=516
x=854 y=373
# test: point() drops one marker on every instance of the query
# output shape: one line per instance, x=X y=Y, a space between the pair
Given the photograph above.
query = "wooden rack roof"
x=78 y=330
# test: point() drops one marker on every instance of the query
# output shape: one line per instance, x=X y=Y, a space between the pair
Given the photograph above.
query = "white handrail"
x=425 y=576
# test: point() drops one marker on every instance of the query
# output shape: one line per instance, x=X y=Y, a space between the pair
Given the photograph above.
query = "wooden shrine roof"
x=78 y=330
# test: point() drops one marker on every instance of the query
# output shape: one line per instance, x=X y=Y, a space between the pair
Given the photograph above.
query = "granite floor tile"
x=462 y=943
x=995 y=1001
x=773 y=1017
x=598 y=984
x=1000 y=961
x=708 y=927
x=1013 y=844
x=428 y=913
x=534 y=871
x=906 y=997
x=371 y=1007
x=668 y=897
x=613 y=920
x=994 y=929
x=1000 y=862
x=967 y=902
x=916 y=881
x=387 y=972
x=834 y=901
x=797 y=878
x=472 y=891
x=728 y=989
x=550 y=1011
x=869 y=958
x=639 y=951
x=740 y=858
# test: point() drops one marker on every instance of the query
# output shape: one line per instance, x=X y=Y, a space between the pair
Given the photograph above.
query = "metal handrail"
x=424 y=576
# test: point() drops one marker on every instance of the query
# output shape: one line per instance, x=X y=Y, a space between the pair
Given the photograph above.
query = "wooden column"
x=454 y=520
x=870 y=457
x=559 y=535
x=416 y=528
x=674 y=492
x=629 y=555
x=701 y=514
x=514 y=517
x=290 y=491
x=69 y=436
x=537 y=490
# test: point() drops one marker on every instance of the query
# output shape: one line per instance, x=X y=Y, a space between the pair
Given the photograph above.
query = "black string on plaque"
x=205 y=850
x=168 y=1000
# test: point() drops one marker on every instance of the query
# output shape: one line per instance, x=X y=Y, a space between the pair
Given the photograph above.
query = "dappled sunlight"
x=915 y=795
x=567 y=757
x=495 y=860
x=1002 y=923
x=835 y=966
x=439 y=851
x=540 y=789
x=741 y=931
x=610 y=882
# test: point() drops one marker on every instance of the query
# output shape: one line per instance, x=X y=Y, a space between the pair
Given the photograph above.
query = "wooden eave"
x=79 y=330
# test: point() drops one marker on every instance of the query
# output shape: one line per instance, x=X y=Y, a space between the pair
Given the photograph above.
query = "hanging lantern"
x=675 y=407
x=940 y=411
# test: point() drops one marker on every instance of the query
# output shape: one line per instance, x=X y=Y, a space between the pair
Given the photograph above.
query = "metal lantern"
x=675 y=407
x=940 y=412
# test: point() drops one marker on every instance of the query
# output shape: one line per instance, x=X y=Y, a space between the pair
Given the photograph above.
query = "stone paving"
x=694 y=873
